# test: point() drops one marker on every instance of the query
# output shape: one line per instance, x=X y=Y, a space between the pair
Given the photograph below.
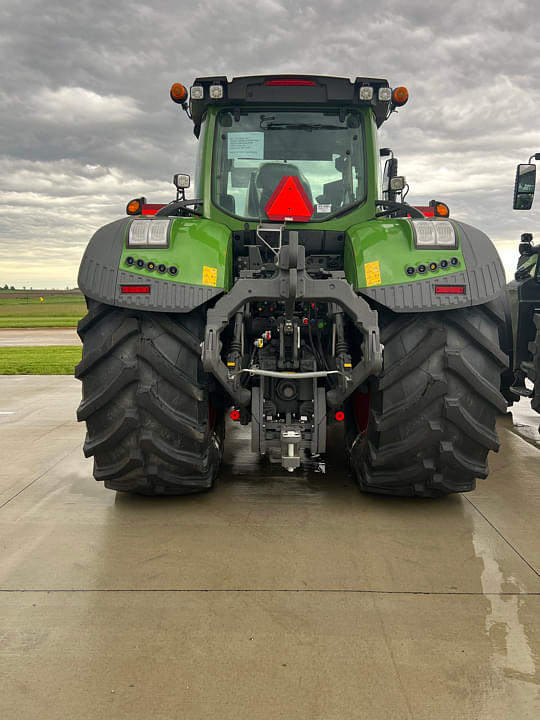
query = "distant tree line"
x=24 y=288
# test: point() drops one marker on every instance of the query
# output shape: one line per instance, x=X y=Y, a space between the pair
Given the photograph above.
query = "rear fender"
x=199 y=249
x=378 y=253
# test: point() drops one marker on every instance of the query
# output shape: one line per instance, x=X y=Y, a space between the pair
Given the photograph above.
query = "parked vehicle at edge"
x=293 y=292
x=524 y=296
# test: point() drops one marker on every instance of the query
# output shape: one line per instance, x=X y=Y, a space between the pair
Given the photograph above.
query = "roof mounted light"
x=400 y=95
x=366 y=92
x=197 y=92
x=179 y=93
x=216 y=92
x=384 y=94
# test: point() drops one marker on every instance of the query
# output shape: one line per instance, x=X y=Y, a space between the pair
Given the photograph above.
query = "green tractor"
x=524 y=296
x=296 y=291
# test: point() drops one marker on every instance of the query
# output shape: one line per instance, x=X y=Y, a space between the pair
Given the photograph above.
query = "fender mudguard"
x=199 y=249
x=377 y=254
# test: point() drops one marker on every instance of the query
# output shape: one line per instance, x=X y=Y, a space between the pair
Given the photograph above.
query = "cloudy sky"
x=87 y=123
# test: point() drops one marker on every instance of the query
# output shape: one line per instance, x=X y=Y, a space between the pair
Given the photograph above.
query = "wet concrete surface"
x=274 y=596
x=526 y=421
x=38 y=336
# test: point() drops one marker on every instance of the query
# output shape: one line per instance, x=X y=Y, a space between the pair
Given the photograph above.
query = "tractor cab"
x=287 y=148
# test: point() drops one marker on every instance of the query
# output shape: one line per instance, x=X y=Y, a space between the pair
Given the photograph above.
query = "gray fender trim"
x=100 y=278
x=484 y=279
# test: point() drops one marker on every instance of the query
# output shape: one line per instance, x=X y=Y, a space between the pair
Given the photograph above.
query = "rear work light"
x=366 y=92
x=449 y=290
x=434 y=234
x=149 y=233
x=216 y=92
x=135 y=289
x=291 y=81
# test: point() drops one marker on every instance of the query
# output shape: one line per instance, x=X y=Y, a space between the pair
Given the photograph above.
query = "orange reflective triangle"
x=289 y=201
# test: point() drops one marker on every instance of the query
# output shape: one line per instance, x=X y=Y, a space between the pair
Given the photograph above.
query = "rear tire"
x=432 y=411
x=506 y=343
x=534 y=349
x=150 y=426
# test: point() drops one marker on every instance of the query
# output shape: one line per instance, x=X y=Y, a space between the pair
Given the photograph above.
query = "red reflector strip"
x=135 y=289
x=150 y=209
x=424 y=209
x=449 y=289
x=291 y=81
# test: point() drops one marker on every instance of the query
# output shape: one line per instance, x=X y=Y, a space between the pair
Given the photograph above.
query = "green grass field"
x=20 y=309
x=56 y=310
x=49 y=360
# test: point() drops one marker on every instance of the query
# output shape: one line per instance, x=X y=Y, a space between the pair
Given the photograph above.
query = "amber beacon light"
x=134 y=207
x=400 y=95
x=179 y=93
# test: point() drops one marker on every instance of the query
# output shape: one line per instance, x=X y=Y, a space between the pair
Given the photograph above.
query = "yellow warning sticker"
x=373 y=273
x=209 y=276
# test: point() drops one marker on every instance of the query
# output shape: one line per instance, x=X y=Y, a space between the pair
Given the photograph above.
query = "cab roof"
x=271 y=90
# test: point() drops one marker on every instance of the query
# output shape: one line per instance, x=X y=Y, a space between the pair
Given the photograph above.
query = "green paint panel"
x=390 y=243
x=201 y=250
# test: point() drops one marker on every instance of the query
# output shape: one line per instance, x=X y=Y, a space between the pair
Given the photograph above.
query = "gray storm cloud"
x=87 y=123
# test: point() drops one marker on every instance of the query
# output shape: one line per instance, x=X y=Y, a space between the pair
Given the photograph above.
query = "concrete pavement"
x=275 y=596
x=38 y=336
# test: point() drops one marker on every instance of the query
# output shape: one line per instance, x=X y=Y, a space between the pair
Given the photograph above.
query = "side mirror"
x=524 y=186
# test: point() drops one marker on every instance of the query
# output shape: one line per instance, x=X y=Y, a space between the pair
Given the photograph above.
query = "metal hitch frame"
x=291 y=283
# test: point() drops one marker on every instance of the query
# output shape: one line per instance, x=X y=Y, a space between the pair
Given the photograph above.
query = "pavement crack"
x=298 y=591
x=503 y=537
x=32 y=482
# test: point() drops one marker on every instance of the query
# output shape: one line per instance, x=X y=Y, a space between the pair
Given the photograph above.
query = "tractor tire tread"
x=146 y=402
x=434 y=408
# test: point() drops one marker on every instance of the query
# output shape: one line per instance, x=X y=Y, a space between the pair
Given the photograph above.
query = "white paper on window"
x=246 y=145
